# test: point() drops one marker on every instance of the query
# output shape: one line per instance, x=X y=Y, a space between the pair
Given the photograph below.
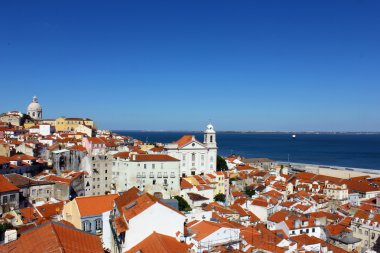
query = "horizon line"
x=254 y=131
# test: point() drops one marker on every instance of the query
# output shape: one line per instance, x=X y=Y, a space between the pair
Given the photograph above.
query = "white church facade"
x=196 y=157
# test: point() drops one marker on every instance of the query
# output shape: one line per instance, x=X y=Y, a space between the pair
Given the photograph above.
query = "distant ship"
x=294 y=136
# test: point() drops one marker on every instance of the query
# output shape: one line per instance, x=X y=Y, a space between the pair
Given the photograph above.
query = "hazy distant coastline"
x=250 y=132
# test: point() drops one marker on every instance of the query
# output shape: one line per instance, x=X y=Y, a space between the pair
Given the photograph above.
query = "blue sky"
x=175 y=65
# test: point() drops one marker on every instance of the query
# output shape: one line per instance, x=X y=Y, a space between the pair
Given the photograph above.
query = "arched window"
x=210 y=138
x=34 y=114
x=193 y=157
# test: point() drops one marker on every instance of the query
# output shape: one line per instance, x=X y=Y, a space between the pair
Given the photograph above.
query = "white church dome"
x=34 y=106
x=210 y=129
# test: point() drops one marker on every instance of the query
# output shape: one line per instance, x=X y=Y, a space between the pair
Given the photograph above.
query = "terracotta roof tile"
x=55 y=237
x=159 y=243
x=6 y=186
x=154 y=157
x=184 y=140
x=94 y=205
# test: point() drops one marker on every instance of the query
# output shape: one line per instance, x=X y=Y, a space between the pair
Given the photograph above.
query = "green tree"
x=182 y=204
x=221 y=164
x=5 y=226
x=249 y=191
x=220 y=197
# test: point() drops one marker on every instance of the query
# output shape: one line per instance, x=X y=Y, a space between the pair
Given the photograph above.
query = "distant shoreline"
x=253 y=132
x=331 y=170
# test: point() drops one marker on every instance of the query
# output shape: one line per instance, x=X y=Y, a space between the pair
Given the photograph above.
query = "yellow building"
x=70 y=124
x=86 y=213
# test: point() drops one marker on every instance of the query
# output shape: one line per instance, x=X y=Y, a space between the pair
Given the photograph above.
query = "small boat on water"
x=294 y=136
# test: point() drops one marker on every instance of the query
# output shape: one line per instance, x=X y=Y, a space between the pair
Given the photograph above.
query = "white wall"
x=157 y=218
x=128 y=174
x=222 y=235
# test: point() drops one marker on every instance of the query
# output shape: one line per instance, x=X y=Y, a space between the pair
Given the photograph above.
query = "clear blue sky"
x=175 y=65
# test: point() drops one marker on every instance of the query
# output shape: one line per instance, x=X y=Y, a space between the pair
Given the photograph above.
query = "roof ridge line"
x=56 y=234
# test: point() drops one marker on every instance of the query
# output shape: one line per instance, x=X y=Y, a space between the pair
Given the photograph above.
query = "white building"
x=99 y=169
x=206 y=235
x=35 y=109
x=196 y=157
x=151 y=173
x=137 y=215
x=336 y=191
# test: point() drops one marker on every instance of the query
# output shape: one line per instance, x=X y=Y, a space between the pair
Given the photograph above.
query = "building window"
x=162 y=165
x=5 y=199
x=154 y=181
x=211 y=139
x=172 y=174
x=144 y=175
x=366 y=232
x=144 y=165
x=12 y=197
x=165 y=174
x=86 y=225
x=159 y=174
x=193 y=157
x=151 y=175
x=98 y=224
x=153 y=166
x=165 y=182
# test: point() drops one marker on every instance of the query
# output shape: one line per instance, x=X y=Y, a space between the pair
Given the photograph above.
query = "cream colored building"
x=91 y=214
x=151 y=173
x=70 y=124
x=368 y=230
x=336 y=191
